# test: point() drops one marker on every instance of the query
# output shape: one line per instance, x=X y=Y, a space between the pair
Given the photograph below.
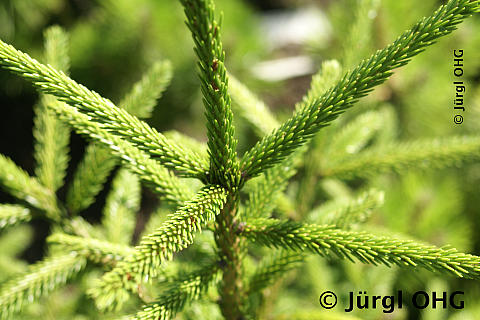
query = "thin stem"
x=231 y=251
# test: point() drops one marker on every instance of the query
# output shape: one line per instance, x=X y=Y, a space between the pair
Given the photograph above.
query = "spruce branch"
x=179 y=138
x=123 y=202
x=327 y=76
x=102 y=111
x=172 y=236
x=345 y=212
x=19 y=184
x=399 y=157
x=251 y=108
x=360 y=33
x=354 y=136
x=51 y=147
x=13 y=242
x=272 y=268
x=364 y=247
x=355 y=84
x=42 y=278
x=179 y=291
x=97 y=163
x=90 y=176
x=264 y=191
x=214 y=83
x=11 y=214
x=82 y=228
x=231 y=250
x=150 y=171
x=52 y=136
x=97 y=251
x=143 y=97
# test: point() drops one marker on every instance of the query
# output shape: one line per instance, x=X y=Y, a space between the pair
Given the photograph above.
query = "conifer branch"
x=179 y=291
x=11 y=214
x=82 y=228
x=214 y=83
x=321 y=81
x=231 y=249
x=150 y=171
x=272 y=268
x=355 y=84
x=52 y=136
x=102 y=111
x=19 y=184
x=360 y=33
x=343 y=213
x=426 y=154
x=179 y=138
x=327 y=76
x=90 y=176
x=143 y=97
x=123 y=202
x=43 y=278
x=264 y=191
x=364 y=247
x=354 y=136
x=172 y=236
x=97 y=163
x=13 y=242
x=251 y=108
x=97 y=251
x=51 y=147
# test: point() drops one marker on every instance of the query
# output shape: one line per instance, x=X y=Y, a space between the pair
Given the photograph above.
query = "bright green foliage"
x=98 y=251
x=52 y=136
x=345 y=212
x=12 y=243
x=172 y=236
x=354 y=85
x=354 y=136
x=18 y=183
x=144 y=95
x=359 y=37
x=272 y=268
x=177 y=292
x=423 y=154
x=187 y=142
x=41 y=279
x=98 y=163
x=252 y=109
x=149 y=170
x=91 y=174
x=223 y=224
x=101 y=111
x=213 y=75
x=11 y=214
x=122 y=204
x=326 y=240
x=265 y=190
x=325 y=78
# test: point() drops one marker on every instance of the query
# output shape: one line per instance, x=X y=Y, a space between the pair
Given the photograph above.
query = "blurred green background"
x=113 y=42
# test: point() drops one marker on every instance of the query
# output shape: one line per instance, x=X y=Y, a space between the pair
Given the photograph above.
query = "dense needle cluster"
x=148 y=274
